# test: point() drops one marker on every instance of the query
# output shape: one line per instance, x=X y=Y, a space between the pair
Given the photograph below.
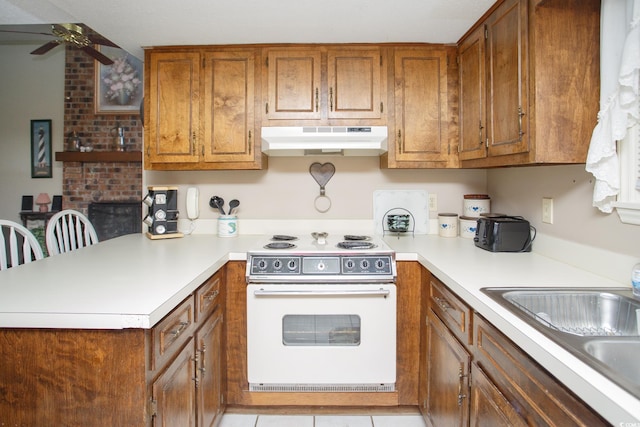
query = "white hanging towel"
x=619 y=96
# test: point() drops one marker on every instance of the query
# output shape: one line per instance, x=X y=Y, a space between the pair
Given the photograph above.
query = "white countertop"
x=132 y=282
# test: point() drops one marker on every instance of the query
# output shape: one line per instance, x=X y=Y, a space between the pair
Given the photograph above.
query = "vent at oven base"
x=347 y=388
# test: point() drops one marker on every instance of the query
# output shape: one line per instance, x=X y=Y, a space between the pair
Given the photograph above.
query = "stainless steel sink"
x=620 y=355
x=601 y=326
x=580 y=312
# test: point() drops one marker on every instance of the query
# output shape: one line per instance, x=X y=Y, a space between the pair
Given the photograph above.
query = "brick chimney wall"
x=88 y=182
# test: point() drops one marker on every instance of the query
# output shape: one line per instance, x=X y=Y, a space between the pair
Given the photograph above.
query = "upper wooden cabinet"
x=229 y=119
x=473 y=116
x=527 y=78
x=201 y=109
x=324 y=85
x=420 y=136
x=172 y=107
x=355 y=83
x=294 y=84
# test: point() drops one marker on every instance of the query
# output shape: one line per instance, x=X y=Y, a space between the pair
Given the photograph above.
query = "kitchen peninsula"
x=95 y=307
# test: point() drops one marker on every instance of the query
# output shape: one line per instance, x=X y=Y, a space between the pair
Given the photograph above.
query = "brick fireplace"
x=96 y=181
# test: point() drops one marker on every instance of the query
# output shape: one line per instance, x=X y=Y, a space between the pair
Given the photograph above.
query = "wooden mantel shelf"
x=99 y=156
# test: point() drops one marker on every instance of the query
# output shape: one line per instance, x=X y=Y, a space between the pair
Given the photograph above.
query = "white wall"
x=31 y=87
x=288 y=191
x=520 y=191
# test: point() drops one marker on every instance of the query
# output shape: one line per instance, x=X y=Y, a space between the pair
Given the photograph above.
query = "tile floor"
x=251 y=420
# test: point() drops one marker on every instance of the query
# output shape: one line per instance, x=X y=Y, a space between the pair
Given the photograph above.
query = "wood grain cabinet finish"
x=473 y=97
x=210 y=371
x=172 y=107
x=294 y=83
x=534 y=394
x=452 y=310
x=448 y=369
x=478 y=377
x=325 y=85
x=201 y=109
x=420 y=135
x=188 y=390
x=170 y=333
x=410 y=276
x=527 y=77
x=170 y=375
x=356 y=83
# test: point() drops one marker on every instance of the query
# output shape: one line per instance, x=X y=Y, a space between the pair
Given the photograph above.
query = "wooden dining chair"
x=69 y=230
x=17 y=245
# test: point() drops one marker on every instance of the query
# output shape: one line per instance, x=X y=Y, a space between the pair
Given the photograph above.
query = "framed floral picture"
x=118 y=87
x=41 y=149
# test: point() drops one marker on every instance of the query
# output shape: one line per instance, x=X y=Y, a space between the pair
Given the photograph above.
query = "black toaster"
x=503 y=234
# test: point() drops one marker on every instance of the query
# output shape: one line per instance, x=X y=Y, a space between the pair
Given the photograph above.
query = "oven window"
x=331 y=330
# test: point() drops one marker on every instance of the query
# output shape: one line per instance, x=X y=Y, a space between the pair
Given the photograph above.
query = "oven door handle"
x=347 y=292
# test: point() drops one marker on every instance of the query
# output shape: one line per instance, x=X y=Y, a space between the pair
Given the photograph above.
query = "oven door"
x=319 y=337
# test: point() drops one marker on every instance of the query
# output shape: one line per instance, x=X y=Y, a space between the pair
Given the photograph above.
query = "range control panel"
x=335 y=265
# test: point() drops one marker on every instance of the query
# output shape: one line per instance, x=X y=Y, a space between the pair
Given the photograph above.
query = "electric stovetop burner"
x=279 y=245
x=283 y=238
x=356 y=244
x=356 y=237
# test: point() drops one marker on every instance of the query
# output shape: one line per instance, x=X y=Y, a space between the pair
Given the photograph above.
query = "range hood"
x=324 y=140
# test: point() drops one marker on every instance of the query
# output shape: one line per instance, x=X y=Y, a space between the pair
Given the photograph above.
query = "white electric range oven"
x=321 y=314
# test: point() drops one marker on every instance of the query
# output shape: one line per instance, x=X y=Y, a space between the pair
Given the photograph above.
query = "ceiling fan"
x=74 y=35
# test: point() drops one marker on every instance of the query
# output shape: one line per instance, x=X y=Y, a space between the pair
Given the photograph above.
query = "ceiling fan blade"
x=101 y=40
x=97 y=55
x=26 y=32
x=46 y=47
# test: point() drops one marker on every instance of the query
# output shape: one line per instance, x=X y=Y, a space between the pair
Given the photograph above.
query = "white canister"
x=227 y=226
x=476 y=204
x=448 y=224
x=468 y=227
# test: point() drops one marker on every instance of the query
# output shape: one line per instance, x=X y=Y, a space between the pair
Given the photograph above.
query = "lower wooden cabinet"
x=190 y=387
x=187 y=390
x=210 y=372
x=174 y=393
x=448 y=365
x=526 y=388
x=489 y=407
x=170 y=375
x=484 y=379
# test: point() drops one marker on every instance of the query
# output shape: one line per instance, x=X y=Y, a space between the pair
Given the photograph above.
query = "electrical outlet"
x=433 y=202
x=547 y=210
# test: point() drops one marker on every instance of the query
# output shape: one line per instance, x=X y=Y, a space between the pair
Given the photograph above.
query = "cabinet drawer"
x=451 y=310
x=171 y=332
x=208 y=296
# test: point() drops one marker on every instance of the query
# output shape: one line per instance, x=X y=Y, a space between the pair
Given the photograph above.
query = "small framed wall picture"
x=118 y=87
x=41 y=149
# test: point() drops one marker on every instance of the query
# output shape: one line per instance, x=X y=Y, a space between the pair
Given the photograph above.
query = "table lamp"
x=43 y=201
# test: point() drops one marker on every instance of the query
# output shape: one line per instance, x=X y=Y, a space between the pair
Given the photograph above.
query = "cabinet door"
x=421 y=132
x=507 y=79
x=473 y=121
x=489 y=408
x=229 y=108
x=354 y=80
x=209 y=354
x=174 y=392
x=293 y=85
x=173 y=114
x=447 y=377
